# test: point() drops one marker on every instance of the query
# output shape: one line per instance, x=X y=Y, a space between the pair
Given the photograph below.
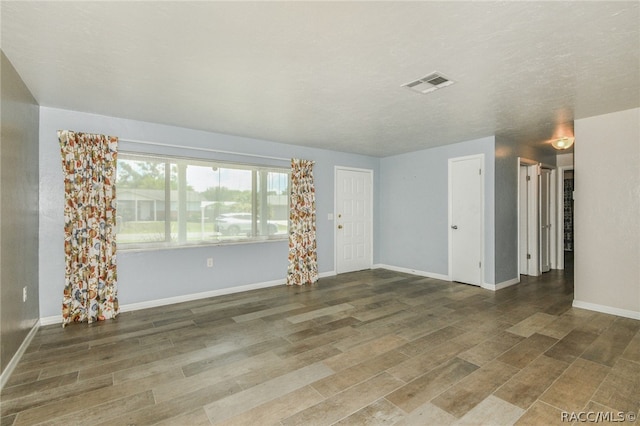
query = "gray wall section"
x=413 y=207
x=157 y=274
x=19 y=211
x=506 y=202
x=607 y=213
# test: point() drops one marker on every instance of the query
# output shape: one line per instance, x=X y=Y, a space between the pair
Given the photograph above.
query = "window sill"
x=174 y=246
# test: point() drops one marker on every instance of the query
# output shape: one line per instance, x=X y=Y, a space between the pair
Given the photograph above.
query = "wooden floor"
x=372 y=347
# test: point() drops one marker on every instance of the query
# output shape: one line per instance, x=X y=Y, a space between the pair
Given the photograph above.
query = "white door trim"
x=335 y=211
x=482 y=213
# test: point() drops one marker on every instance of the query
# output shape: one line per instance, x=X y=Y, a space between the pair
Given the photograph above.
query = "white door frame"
x=553 y=219
x=532 y=214
x=482 y=210
x=335 y=211
x=560 y=220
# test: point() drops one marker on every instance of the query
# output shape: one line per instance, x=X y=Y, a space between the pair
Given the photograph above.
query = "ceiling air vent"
x=428 y=84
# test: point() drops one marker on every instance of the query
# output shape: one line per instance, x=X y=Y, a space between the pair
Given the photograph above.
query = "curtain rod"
x=219 y=151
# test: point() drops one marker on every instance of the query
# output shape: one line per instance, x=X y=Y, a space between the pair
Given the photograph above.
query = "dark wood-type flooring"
x=371 y=347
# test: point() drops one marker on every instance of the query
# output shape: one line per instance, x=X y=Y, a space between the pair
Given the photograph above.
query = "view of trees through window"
x=175 y=201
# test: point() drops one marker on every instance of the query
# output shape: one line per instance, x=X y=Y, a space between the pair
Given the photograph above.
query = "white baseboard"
x=412 y=271
x=327 y=274
x=57 y=319
x=54 y=319
x=196 y=296
x=606 y=309
x=499 y=286
x=4 y=377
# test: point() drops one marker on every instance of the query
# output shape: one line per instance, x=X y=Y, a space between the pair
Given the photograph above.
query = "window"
x=168 y=201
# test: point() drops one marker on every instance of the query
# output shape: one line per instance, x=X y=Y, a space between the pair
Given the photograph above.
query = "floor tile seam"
x=36 y=391
x=60 y=348
x=480 y=368
x=157 y=363
x=599 y=362
x=378 y=356
x=610 y=409
x=4 y=402
x=423 y=352
x=332 y=342
x=361 y=408
x=595 y=392
x=434 y=331
x=310 y=386
x=562 y=373
x=511 y=403
x=263 y=384
x=80 y=408
x=451 y=385
x=545 y=389
x=359 y=382
x=92 y=344
x=541 y=402
x=8 y=387
x=633 y=361
x=585 y=350
x=402 y=410
x=96 y=364
x=627 y=347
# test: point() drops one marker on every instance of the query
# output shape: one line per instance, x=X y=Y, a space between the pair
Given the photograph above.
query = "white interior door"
x=523 y=219
x=354 y=220
x=545 y=220
x=466 y=219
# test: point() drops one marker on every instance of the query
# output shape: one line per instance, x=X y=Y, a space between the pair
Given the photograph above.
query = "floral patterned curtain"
x=303 y=259
x=89 y=167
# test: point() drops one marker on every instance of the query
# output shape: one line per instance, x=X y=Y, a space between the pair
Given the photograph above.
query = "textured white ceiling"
x=329 y=74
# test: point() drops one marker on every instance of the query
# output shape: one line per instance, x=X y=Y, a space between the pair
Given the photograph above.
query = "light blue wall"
x=413 y=212
x=410 y=211
x=151 y=275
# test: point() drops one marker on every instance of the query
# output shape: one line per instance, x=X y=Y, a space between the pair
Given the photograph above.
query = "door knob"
x=454 y=226
x=339 y=226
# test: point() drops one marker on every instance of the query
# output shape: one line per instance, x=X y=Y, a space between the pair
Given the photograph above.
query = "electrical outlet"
x=210 y=262
x=24 y=294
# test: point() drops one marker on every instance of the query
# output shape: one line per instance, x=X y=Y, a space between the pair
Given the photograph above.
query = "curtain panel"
x=303 y=258
x=89 y=167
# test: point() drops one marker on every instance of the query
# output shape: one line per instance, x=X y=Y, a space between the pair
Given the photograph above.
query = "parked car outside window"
x=240 y=224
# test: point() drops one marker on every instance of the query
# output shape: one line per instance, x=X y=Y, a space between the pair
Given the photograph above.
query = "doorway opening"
x=537 y=205
x=565 y=219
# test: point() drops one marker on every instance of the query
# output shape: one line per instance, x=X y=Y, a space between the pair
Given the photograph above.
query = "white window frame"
x=179 y=237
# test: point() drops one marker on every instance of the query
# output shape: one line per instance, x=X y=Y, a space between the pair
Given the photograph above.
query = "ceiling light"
x=563 y=143
x=428 y=84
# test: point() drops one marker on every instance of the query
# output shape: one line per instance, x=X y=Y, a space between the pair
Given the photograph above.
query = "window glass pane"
x=165 y=201
x=273 y=203
x=222 y=197
x=141 y=196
